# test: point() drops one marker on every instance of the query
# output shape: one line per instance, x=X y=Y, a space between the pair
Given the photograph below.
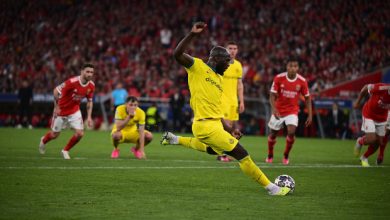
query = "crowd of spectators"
x=132 y=41
x=45 y=42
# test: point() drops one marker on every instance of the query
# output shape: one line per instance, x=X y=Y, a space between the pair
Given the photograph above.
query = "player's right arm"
x=56 y=96
x=181 y=57
x=272 y=101
x=363 y=93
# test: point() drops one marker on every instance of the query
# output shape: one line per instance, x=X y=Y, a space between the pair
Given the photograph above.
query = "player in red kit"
x=286 y=90
x=375 y=115
x=67 y=98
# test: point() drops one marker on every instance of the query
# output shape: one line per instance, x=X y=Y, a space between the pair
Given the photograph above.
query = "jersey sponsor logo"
x=383 y=105
x=385 y=88
x=289 y=94
x=214 y=83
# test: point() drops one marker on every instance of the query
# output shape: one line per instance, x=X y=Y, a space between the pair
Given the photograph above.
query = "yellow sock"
x=193 y=143
x=249 y=168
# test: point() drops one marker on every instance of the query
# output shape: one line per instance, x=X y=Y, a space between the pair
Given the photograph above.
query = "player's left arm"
x=89 y=113
x=90 y=107
x=306 y=94
x=240 y=92
x=309 y=110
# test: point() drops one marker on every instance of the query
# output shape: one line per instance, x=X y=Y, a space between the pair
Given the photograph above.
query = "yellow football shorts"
x=211 y=133
x=129 y=135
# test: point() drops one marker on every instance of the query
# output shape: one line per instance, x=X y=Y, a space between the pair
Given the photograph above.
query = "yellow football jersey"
x=121 y=114
x=206 y=90
x=229 y=85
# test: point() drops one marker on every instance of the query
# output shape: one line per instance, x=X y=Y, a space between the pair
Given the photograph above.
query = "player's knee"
x=291 y=131
x=210 y=150
x=272 y=135
x=238 y=152
x=79 y=134
x=148 y=137
x=371 y=139
x=55 y=134
x=116 y=136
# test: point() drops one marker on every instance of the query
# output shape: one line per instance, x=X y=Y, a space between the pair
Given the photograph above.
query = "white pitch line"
x=314 y=166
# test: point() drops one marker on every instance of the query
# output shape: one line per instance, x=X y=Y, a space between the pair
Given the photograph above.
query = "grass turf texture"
x=179 y=183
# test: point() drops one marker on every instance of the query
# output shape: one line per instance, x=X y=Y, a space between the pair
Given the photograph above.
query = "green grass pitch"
x=179 y=183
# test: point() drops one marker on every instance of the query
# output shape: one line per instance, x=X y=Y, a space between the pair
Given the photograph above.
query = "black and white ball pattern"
x=285 y=181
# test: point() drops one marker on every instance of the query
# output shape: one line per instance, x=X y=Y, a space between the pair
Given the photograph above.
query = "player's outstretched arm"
x=363 y=93
x=181 y=57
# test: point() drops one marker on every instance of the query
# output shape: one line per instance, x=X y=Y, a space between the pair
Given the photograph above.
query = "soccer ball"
x=285 y=181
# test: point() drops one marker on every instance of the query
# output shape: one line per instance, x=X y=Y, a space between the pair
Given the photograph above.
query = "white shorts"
x=388 y=121
x=371 y=126
x=277 y=124
x=74 y=121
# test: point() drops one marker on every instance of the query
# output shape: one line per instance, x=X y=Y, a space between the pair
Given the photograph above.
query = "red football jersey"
x=71 y=93
x=378 y=105
x=288 y=93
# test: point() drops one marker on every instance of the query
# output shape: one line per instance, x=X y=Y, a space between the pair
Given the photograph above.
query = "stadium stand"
x=132 y=41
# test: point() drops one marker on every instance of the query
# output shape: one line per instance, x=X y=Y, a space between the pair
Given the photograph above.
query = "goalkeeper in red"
x=212 y=135
x=286 y=91
x=67 y=98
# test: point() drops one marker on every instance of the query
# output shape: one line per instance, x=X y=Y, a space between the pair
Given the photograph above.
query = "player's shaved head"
x=219 y=59
x=219 y=51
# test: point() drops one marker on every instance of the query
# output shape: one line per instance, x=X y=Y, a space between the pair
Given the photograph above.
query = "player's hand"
x=237 y=133
x=131 y=110
x=242 y=108
x=142 y=154
x=56 y=111
x=276 y=113
x=308 y=121
x=198 y=27
x=89 y=122
x=356 y=105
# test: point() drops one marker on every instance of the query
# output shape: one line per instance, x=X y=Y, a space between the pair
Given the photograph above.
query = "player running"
x=67 y=98
x=284 y=99
x=374 y=116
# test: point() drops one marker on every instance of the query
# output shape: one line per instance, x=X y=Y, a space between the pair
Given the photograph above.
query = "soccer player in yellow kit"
x=233 y=88
x=129 y=127
x=212 y=135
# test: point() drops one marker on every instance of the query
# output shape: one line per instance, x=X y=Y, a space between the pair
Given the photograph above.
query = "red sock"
x=289 y=144
x=370 y=150
x=74 y=140
x=271 y=144
x=48 y=137
x=383 y=147
x=362 y=140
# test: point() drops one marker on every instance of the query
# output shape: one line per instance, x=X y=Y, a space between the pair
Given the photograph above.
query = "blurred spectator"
x=176 y=102
x=336 y=122
x=48 y=40
x=25 y=99
x=118 y=96
x=131 y=42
